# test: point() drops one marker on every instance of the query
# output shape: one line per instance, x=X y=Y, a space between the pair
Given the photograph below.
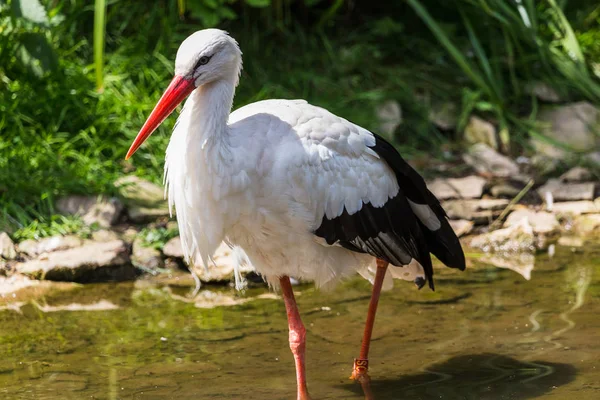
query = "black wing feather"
x=443 y=243
x=393 y=232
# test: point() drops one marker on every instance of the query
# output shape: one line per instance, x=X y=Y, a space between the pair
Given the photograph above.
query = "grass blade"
x=99 y=31
x=455 y=53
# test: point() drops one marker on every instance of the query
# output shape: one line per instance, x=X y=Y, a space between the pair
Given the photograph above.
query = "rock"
x=486 y=160
x=479 y=211
x=461 y=227
x=390 y=117
x=222 y=270
x=32 y=248
x=572 y=125
x=517 y=238
x=575 y=207
x=504 y=190
x=470 y=187
x=544 y=165
x=92 y=262
x=92 y=209
x=146 y=258
x=542 y=222
x=210 y=299
x=593 y=159
x=571 y=241
x=104 y=235
x=543 y=91
x=480 y=131
x=224 y=261
x=567 y=191
x=444 y=115
x=7 y=247
x=173 y=248
x=587 y=225
x=130 y=234
x=577 y=174
x=144 y=200
x=14 y=283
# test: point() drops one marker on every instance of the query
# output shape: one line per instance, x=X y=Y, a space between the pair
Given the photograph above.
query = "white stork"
x=302 y=191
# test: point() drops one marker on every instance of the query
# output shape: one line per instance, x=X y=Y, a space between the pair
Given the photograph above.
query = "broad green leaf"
x=31 y=10
x=36 y=54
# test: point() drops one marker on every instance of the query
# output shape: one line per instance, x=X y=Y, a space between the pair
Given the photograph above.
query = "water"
x=486 y=333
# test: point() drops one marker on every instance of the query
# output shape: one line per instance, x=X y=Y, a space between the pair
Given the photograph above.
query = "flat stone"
x=461 y=227
x=478 y=211
x=390 y=117
x=593 y=158
x=488 y=161
x=480 y=131
x=130 y=234
x=7 y=247
x=54 y=243
x=104 y=235
x=144 y=200
x=571 y=241
x=223 y=268
x=173 y=248
x=18 y=290
x=444 y=115
x=517 y=238
x=92 y=262
x=567 y=191
x=505 y=190
x=587 y=225
x=210 y=299
x=542 y=222
x=469 y=187
x=545 y=165
x=577 y=174
x=92 y=209
x=543 y=91
x=575 y=207
x=147 y=259
x=572 y=125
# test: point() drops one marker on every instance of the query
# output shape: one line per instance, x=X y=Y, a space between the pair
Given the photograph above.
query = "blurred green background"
x=78 y=78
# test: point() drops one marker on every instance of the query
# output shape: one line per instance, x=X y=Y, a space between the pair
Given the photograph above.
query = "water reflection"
x=477 y=377
x=486 y=333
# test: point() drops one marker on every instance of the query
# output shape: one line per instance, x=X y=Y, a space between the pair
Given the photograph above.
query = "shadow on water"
x=475 y=377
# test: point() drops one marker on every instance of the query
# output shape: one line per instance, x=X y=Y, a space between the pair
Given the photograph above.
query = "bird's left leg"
x=361 y=364
x=297 y=336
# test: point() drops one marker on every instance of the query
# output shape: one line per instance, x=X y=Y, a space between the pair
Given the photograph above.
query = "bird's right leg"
x=361 y=364
x=297 y=335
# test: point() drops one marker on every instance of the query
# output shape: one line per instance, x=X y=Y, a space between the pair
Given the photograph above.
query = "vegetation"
x=78 y=79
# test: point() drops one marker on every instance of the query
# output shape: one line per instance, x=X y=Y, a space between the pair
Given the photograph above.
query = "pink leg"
x=297 y=336
x=361 y=364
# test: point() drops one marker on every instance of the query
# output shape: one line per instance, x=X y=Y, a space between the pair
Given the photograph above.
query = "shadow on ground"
x=475 y=377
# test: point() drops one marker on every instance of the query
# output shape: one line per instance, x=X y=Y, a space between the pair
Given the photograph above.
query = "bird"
x=303 y=192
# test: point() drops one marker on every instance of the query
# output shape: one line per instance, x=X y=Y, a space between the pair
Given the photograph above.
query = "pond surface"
x=486 y=333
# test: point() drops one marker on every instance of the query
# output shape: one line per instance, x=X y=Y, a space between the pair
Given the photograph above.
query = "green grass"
x=60 y=135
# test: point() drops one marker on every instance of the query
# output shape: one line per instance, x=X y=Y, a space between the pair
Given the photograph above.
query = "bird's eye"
x=203 y=60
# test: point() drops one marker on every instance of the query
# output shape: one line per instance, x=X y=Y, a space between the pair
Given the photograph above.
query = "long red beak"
x=178 y=90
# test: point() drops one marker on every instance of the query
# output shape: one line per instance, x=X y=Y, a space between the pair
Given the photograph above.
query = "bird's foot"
x=360 y=374
x=360 y=371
